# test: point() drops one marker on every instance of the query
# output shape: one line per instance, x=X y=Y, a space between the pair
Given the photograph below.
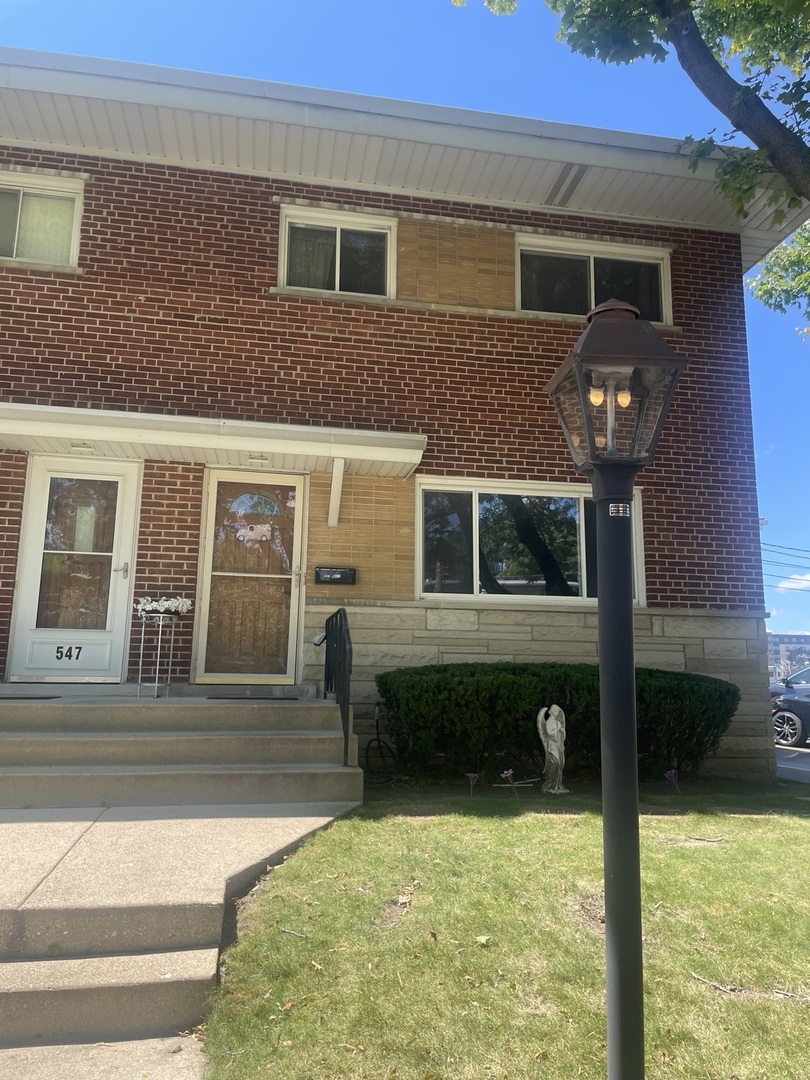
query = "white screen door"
x=73 y=606
x=248 y=620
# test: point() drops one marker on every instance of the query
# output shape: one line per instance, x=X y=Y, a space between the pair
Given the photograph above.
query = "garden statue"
x=551 y=728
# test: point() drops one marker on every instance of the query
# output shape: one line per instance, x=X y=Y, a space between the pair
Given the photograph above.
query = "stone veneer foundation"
x=727 y=646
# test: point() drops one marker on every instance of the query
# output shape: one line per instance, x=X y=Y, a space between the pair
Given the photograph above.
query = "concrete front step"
x=143 y=714
x=101 y=998
x=111 y=920
x=177 y=785
x=74 y=932
x=110 y=927
x=170 y=748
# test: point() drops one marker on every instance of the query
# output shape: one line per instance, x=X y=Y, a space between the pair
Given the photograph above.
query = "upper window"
x=569 y=277
x=39 y=218
x=502 y=539
x=347 y=253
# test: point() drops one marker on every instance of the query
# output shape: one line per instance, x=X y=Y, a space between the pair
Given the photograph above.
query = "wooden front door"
x=248 y=620
x=73 y=607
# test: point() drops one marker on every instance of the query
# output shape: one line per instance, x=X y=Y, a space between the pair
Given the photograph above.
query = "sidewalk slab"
x=90 y=893
x=177 y=1058
x=136 y=856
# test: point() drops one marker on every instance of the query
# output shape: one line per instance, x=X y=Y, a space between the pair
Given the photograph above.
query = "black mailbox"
x=335 y=575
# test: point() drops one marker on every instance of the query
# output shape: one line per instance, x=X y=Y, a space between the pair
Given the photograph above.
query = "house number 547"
x=69 y=652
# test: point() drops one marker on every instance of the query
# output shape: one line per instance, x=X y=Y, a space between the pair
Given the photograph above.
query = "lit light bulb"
x=624 y=397
x=596 y=395
x=601 y=441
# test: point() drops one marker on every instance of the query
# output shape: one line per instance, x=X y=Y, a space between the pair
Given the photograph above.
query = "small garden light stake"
x=672 y=776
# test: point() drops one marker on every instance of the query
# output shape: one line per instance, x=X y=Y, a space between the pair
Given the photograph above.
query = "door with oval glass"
x=251 y=578
x=73 y=609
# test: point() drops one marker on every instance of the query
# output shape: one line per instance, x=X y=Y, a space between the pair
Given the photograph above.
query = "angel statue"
x=551 y=728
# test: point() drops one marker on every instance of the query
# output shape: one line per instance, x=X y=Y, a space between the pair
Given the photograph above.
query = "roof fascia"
x=225 y=95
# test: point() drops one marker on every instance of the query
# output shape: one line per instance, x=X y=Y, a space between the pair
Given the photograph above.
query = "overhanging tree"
x=768 y=43
x=782 y=281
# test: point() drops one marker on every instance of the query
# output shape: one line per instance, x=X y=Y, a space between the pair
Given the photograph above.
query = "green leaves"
x=783 y=278
x=610 y=31
x=497 y=7
x=741 y=172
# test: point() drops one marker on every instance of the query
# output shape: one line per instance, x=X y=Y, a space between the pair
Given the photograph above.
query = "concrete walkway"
x=82 y=875
x=148 y=1059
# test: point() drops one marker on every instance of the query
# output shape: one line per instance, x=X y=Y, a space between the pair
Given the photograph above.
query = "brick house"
x=252 y=330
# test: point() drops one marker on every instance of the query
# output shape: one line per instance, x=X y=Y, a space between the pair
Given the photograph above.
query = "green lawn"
x=435 y=936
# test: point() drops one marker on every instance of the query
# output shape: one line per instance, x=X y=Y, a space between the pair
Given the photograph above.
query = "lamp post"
x=611 y=395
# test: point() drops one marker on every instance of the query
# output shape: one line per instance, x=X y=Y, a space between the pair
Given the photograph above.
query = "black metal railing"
x=337 y=669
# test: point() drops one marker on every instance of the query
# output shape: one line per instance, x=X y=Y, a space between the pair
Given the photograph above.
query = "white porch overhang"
x=135 y=111
x=84 y=433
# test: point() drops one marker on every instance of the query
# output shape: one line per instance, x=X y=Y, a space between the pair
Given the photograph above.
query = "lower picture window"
x=507 y=543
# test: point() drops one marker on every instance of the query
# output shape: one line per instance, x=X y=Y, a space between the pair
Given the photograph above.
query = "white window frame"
x=43 y=184
x=474 y=486
x=297 y=215
x=591 y=249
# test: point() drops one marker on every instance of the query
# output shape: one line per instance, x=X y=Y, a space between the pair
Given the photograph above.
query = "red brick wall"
x=168 y=547
x=13 y=469
x=172 y=314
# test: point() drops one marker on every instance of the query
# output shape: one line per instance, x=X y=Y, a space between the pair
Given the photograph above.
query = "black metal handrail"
x=337 y=669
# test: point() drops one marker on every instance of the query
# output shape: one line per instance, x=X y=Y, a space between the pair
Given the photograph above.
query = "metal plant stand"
x=166 y=623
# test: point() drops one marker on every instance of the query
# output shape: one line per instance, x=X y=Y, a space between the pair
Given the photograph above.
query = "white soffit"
x=243 y=125
x=90 y=433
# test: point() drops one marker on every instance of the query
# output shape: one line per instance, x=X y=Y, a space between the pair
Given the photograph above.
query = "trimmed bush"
x=482 y=716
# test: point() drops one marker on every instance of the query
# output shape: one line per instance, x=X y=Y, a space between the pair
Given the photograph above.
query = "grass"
x=438 y=936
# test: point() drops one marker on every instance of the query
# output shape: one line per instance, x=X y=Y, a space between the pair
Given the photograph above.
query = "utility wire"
x=781 y=548
x=787 y=588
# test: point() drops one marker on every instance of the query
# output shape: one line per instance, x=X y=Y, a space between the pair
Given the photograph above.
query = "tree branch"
x=787 y=152
x=529 y=535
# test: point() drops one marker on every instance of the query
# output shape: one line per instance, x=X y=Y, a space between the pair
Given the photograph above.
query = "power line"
x=787 y=588
x=780 y=548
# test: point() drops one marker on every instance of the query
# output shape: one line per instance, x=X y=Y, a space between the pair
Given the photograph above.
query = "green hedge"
x=482 y=716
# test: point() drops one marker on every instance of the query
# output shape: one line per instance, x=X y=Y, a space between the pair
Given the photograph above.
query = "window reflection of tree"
x=530 y=541
x=74 y=583
x=533 y=539
x=448 y=542
x=67 y=498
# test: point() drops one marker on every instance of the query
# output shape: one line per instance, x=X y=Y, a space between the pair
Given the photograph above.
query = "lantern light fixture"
x=613 y=390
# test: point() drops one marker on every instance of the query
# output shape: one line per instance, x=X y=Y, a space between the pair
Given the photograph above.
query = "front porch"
x=104 y=746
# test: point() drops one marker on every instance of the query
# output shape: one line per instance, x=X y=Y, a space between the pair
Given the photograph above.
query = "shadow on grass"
x=433 y=797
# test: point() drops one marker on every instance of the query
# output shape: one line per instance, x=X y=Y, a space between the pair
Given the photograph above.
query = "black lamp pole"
x=613 y=494
x=611 y=395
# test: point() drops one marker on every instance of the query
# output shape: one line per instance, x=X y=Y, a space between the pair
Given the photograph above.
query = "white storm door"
x=73 y=607
x=251 y=579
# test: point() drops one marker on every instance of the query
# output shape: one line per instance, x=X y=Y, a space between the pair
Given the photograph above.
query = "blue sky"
x=430 y=51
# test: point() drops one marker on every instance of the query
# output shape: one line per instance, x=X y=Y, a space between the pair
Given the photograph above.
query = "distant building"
x=787 y=653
